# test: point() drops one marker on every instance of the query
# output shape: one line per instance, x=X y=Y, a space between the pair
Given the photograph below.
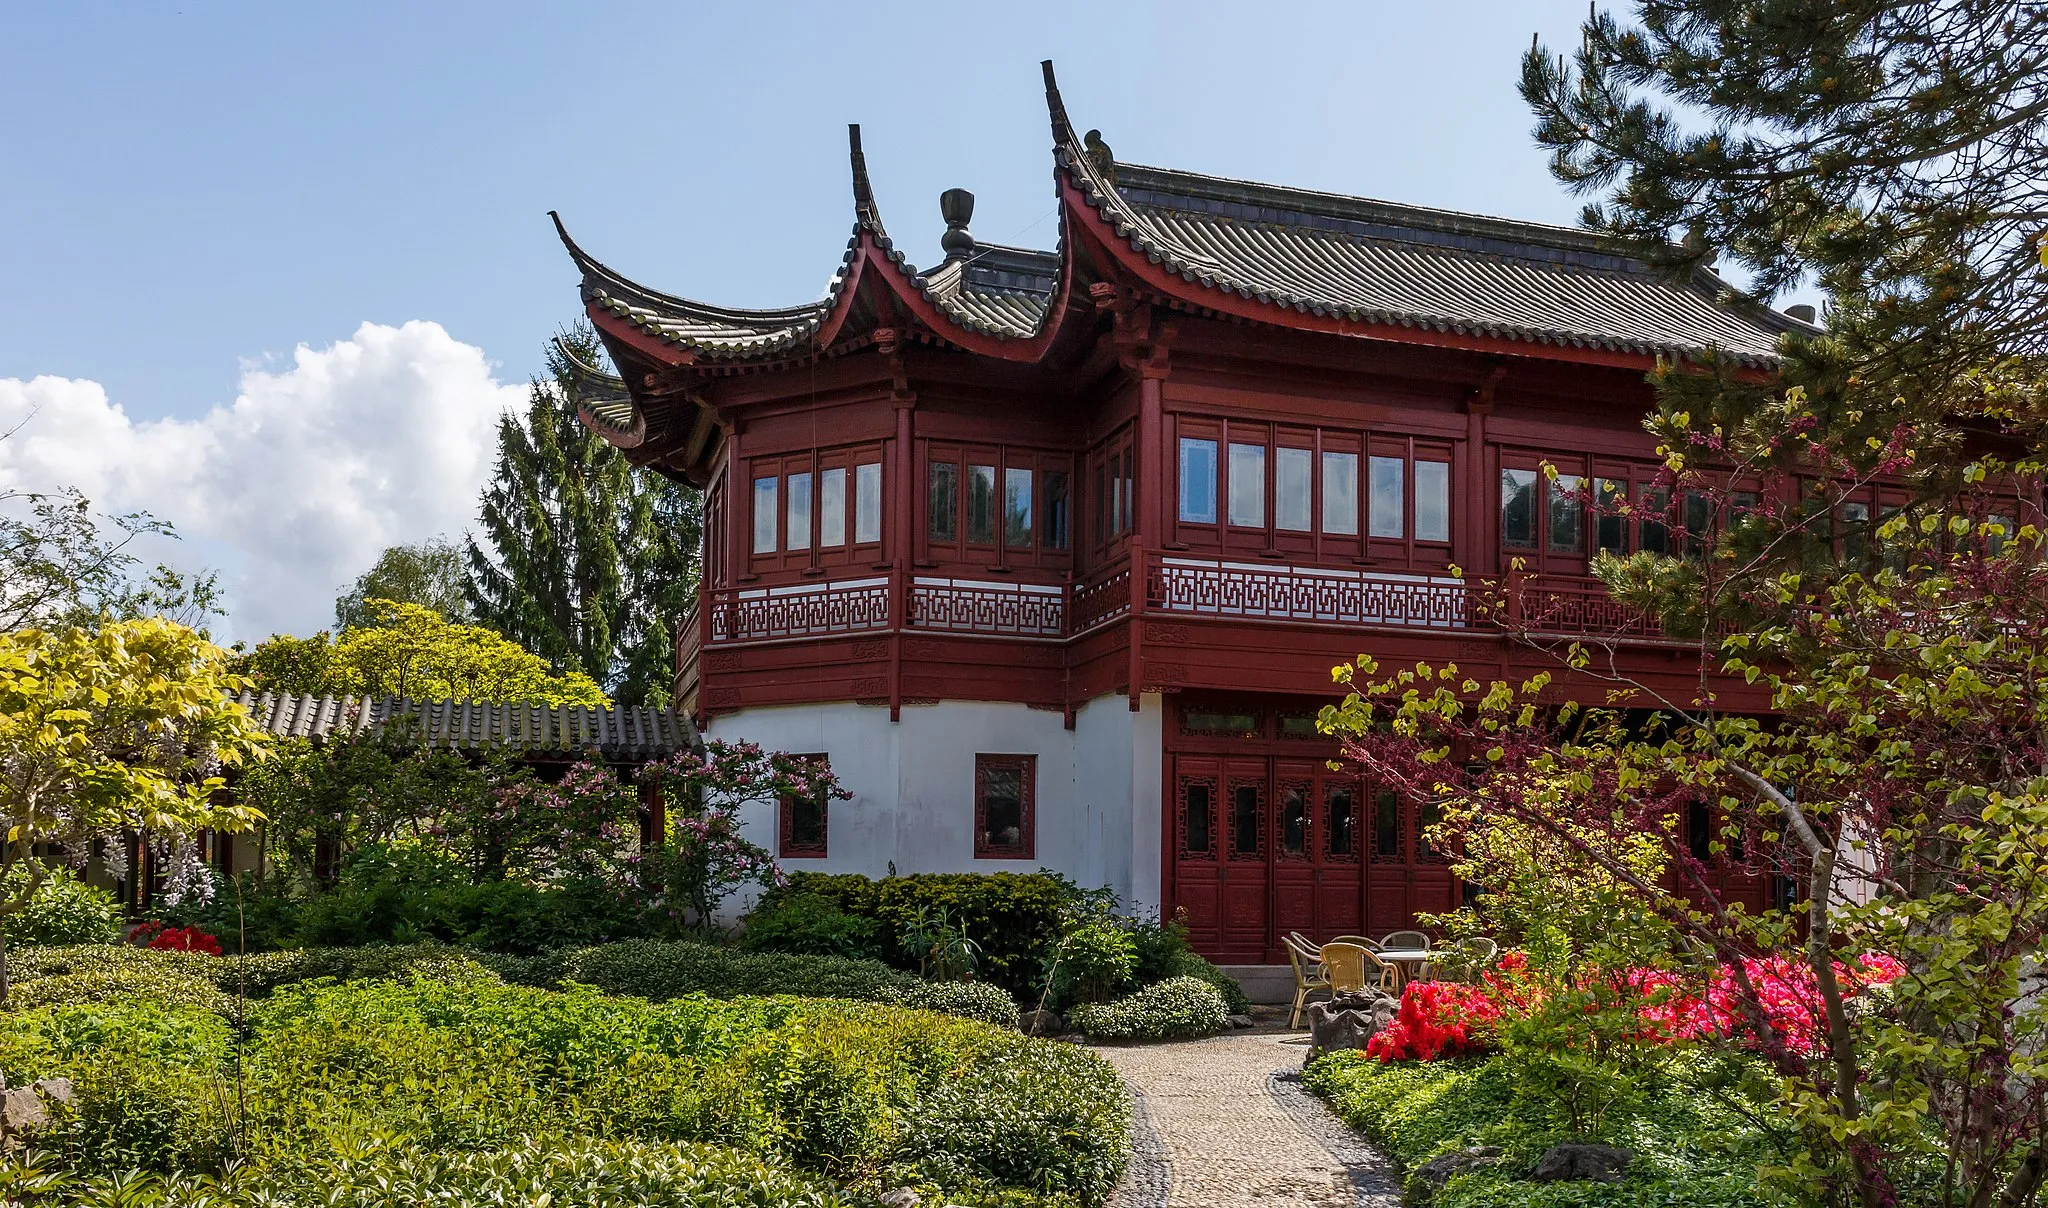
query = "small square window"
x=1003 y=806
x=801 y=829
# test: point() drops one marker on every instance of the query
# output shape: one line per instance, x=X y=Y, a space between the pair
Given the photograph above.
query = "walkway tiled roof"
x=618 y=733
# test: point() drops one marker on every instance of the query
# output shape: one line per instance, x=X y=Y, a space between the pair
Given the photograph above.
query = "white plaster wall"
x=912 y=781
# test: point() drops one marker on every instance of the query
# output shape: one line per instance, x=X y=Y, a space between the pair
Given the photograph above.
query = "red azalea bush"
x=1437 y=1019
x=1448 y=1019
x=155 y=935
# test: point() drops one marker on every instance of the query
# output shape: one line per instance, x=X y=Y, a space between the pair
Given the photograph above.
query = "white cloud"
x=294 y=488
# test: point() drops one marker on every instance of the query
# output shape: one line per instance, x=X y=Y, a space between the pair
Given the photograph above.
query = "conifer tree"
x=1893 y=153
x=582 y=558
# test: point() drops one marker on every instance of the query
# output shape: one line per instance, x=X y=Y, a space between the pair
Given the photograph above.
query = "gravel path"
x=1220 y=1123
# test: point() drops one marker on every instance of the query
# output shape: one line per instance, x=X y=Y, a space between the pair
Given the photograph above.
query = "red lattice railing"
x=957 y=606
x=1184 y=586
x=1100 y=601
x=1285 y=593
x=808 y=611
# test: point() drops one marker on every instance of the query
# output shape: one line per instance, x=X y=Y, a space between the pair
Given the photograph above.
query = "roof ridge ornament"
x=865 y=211
x=956 y=206
x=1062 y=129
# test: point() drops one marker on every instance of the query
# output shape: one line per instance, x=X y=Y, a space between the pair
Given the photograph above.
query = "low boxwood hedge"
x=1177 y=1007
x=1015 y=917
x=581 y=1172
x=865 y=1094
x=651 y=969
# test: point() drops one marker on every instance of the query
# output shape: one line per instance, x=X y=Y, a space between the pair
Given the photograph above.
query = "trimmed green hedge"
x=582 y=1172
x=1690 y=1147
x=1015 y=917
x=1181 y=1006
x=651 y=969
x=861 y=1093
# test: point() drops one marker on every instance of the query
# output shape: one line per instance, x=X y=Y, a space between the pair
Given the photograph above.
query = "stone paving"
x=1220 y=1123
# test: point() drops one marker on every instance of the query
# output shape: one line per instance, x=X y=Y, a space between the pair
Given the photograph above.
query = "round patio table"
x=1408 y=960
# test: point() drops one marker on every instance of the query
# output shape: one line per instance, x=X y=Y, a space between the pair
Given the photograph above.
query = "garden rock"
x=1041 y=1023
x=56 y=1090
x=1430 y=1177
x=1597 y=1163
x=22 y=1111
x=1238 y=1021
x=1347 y=1021
x=902 y=1197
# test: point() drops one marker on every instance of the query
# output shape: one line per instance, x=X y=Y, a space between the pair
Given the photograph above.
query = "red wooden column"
x=739 y=505
x=902 y=506
x=1148 y=527
x=1478 y=554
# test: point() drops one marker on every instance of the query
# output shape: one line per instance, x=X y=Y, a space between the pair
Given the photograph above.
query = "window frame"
x=786 y=845
x=1026 y=766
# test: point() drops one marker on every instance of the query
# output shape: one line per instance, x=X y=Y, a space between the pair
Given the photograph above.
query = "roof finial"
x=1062 y=129
x=864 y=210
x=956 y=206
x=863 y=192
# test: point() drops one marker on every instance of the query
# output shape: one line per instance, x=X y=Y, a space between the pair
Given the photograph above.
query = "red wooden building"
x=1052 y=551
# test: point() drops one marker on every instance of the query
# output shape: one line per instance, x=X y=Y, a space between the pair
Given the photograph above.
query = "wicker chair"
x=1309 y=976
x=1345 y=966
x=1405 y=939
x=1461 y=960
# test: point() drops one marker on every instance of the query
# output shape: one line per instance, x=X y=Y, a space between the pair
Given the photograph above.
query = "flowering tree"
x=701 y=859
x=578 y=826
x=113 y=732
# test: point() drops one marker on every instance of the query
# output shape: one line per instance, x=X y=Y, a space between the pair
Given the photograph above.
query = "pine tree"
x=1893 y=153
x=582 y=558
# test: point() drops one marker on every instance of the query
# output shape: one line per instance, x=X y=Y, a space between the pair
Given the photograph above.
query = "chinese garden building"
x=1051 y=551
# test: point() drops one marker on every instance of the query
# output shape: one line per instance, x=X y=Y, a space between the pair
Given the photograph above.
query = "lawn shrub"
x=970 y=1000
x=1691 y=1147
x=810 y=924
x=1182 y=1006
x=660 y=969
x=1014 y=917
x=123 y=983
x=408 y=895
x=64 y=910
x=148 y=1080
x=583 y=1171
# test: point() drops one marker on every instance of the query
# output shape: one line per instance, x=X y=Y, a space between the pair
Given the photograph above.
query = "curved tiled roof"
x=1372 y=261
x=638 y=733
x=1294 y=250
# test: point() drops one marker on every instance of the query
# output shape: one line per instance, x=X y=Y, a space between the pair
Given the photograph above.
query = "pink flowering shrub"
x=700 y=859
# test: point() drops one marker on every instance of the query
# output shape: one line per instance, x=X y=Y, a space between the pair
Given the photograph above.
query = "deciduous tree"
x=110 y=732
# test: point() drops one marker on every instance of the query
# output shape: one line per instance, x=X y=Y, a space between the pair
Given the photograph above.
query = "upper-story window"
x=1113 y=475
x=816 y=505
x=1327 y=493
x=1013 y=502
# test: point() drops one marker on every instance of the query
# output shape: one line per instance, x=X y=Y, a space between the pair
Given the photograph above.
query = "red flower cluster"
x=155 y=935
x=1790 y=998
x=1444 y=1019
x=1436 y=1019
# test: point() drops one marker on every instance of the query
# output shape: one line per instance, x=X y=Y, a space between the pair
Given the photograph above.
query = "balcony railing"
x=1175 y=586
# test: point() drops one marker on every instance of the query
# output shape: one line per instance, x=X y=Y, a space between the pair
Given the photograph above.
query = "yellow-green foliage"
x=411 y=650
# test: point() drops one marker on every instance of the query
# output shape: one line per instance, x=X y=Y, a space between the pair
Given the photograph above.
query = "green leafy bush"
x=969 y=1000
x=1163 y=953
x=113 y=985
x=809 y=924
x=65 y=910
x=1693 y=1145
x=661 y=969
x=403 y=895
x=1014 y=917
x=1192 y=964
x=1093 y=962
x=1181 y=1006
x=148 y=1082
x=580 y=1172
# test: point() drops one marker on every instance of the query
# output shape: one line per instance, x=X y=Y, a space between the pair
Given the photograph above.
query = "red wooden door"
x=1339 y=851
x=1296 y=869
x=1246 y=924
x=1404 y=877
x=1198 y=849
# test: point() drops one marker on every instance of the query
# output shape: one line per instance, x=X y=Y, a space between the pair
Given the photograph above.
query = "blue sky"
x=202 y=201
